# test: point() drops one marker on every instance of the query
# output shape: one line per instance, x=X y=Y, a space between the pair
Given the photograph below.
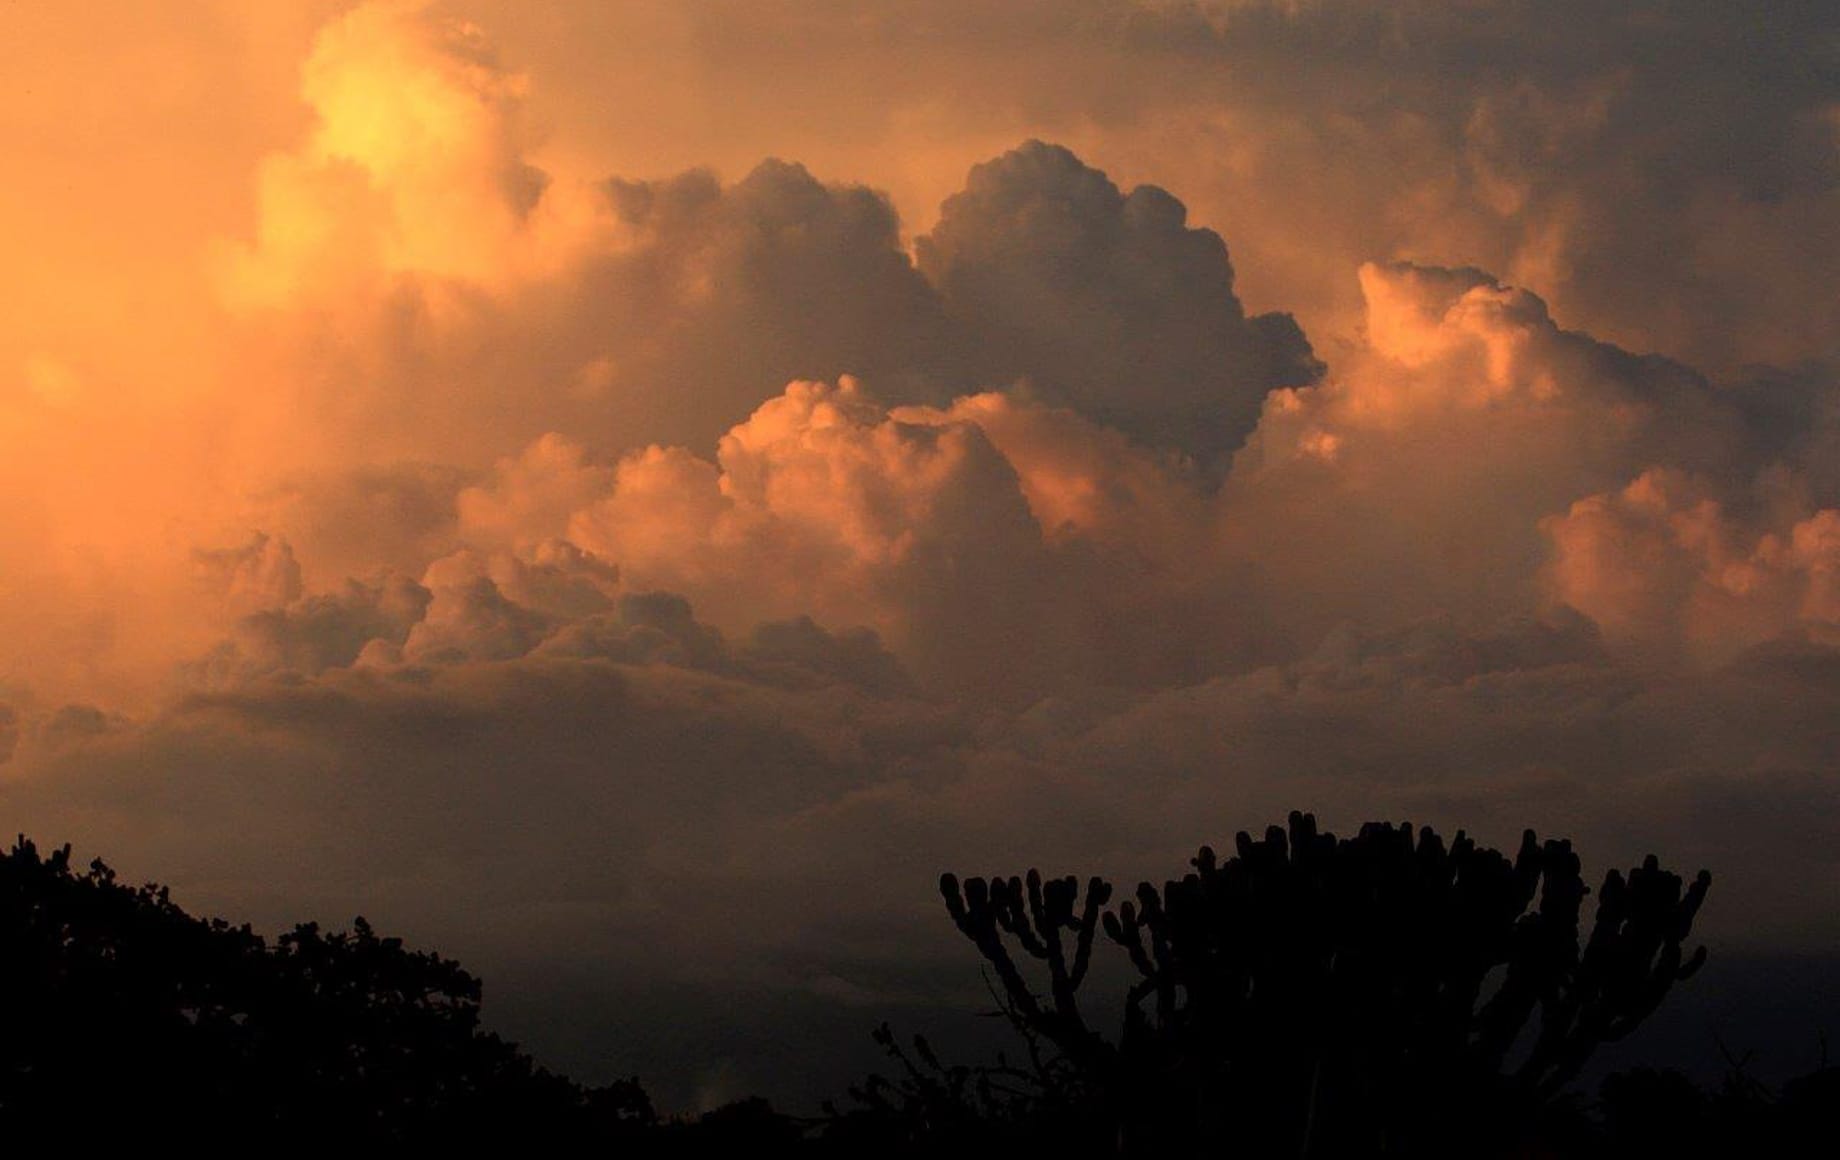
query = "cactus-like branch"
x=1365 y=969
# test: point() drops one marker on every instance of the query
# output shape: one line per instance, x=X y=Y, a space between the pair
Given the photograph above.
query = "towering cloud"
x=1107 y=302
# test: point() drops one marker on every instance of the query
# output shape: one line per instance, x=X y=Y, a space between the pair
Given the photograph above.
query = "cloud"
x=1663 y=562
x=831 y=505
x=1556 y=145
x=1107 y=302
x=1416 y=477
x=315 y=633
x=415 y=163
x=737 y=290
x=258 y=575
x=421 y=263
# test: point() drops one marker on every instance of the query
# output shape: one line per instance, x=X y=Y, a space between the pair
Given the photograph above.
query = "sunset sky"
x=625 y=493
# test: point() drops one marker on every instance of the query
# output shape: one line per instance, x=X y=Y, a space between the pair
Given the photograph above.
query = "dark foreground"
x=1382 y=995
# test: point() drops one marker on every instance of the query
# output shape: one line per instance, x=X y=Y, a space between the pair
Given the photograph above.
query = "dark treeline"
x=1380 y=995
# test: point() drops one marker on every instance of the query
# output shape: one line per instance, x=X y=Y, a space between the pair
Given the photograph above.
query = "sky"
x=627 y=493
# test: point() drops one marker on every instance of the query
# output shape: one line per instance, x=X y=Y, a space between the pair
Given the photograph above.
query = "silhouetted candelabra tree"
x=124 y=1019
x=1381 y=994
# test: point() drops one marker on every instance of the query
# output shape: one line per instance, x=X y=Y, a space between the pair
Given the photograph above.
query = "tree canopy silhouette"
x=122 y=1018
x=1385 y=994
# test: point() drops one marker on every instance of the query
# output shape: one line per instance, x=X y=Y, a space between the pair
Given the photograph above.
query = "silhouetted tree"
x=1384 y=994
x=123 y=1019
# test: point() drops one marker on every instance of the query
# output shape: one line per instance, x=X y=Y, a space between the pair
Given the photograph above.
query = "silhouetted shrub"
x=1378 y=995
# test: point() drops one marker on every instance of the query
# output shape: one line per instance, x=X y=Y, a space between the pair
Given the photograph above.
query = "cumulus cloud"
x=1663 y=562
x=1417 y=475
x=1554 y=145
x=258 y=575
x=341 y=520
x=996 y=544
x=733 y=291
x=1107 y=302
x=829 y=505
x=319 y=632
x=414 y=164
x=426 y=265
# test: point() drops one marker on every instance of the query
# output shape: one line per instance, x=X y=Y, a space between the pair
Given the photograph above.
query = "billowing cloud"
x=1106 y=302
x=413 y=164
x=1664 y=562
x=1557 y=146
x=315 y=633
x=828 y=505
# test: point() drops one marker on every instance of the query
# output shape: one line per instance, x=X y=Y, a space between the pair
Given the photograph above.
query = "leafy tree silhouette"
x=123 y=1019
x=1315 y=996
